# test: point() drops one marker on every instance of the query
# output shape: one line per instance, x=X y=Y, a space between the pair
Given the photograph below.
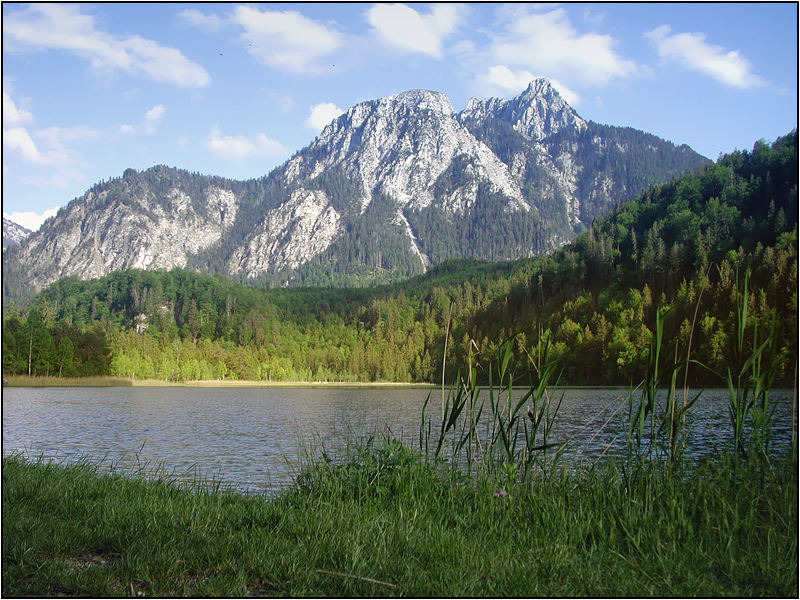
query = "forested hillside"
x=684 y=247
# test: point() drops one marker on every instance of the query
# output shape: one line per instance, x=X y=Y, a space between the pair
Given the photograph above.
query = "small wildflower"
x=500 y=494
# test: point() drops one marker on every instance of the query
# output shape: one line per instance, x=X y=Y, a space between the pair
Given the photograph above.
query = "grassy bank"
x=104 y=381
x=43 y=381
x=387 y=522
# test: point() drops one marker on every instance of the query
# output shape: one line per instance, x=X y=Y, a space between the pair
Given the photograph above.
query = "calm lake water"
x=255 y=439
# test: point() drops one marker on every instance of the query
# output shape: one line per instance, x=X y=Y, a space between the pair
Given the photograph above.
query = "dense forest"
x=684 y=248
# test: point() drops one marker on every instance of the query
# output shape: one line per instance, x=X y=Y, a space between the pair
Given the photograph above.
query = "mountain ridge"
x=387 y=189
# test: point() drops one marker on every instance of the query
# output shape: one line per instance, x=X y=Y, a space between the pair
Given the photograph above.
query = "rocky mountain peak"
x=392 y=108
x=541 y=86
x=540 y=111
x=423 y=99
x=536 y=113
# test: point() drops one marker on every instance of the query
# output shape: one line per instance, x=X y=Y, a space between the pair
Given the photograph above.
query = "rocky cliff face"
x=13 y=234
x=400 y=146
x=134 y=222
x=388 y=188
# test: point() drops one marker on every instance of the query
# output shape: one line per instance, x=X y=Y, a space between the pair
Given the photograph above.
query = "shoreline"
x=108 y=381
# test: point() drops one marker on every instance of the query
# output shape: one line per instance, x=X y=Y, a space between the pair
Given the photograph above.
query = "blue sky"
x=235 y=89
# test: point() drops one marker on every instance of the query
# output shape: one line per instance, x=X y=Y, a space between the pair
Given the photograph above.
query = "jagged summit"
x=537 y=112
x=541 y=86
x=424 y=99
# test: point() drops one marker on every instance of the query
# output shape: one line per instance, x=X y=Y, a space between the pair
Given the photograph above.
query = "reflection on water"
x=254 y=438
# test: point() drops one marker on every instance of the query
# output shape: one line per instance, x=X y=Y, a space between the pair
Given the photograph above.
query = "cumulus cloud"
x=49 y=155
x=321 y=114
x=52 y=148
x=286 y=40
x=403 y=27
x=547 y=43
x=29 y=219
x=201 y=20
x=64 y=27
x=12 y=115
x=693 y=52
x=148 y=123
x=16 y=138
x=240 y=147
x=516 y=81
x=152 y=116
x=19 y=141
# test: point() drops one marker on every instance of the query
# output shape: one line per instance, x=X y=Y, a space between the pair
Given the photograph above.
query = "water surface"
x=255 y=439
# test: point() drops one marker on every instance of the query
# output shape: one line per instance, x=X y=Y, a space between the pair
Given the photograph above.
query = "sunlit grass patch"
x=43 y=381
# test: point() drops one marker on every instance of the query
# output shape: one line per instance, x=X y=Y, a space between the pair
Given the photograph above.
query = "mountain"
x=13 y=234
x=387 y=189
x=681 y=249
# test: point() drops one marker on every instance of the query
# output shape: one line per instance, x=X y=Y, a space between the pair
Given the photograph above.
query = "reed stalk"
x=518 y=426
x=756 y=365
x=667 y=432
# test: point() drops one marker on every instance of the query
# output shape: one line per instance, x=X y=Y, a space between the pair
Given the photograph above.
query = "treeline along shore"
x=683 y=248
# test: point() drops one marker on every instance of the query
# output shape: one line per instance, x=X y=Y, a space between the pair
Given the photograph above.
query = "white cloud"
x=321 y=114
x=241 y=147
x=53 y=147
x=12 y=115
x=17 y=139
x=148 y=125
x=201 y=20
x=57 y=137
x=593 y=18
x=516 y=81
x=286 y=40
x=29 y=219
x=64 y=27
x=155 y=113
x=286 y=102
x=152 y=116
x=692 y=51
x=403 y=27
x=547 y=43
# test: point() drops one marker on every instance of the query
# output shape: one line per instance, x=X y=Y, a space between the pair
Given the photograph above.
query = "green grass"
x=108 y=381
x=387 y=522
x=54 y=381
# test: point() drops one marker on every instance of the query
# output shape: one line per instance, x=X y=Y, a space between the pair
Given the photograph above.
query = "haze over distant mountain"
x=387 y=189
x=13 y=234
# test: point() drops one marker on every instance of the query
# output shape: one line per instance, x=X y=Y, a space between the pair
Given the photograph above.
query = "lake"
x=255 y=439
